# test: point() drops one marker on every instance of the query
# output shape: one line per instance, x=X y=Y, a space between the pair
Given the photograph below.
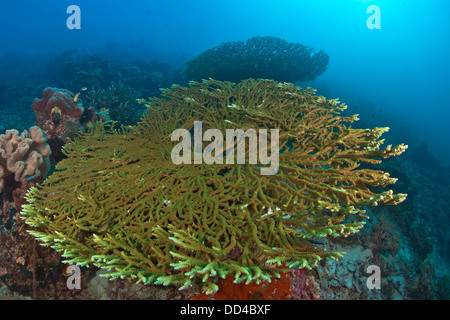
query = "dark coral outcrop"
x=258 y=57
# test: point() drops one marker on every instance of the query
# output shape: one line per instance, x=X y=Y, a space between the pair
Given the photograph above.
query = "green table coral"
x=120 y=203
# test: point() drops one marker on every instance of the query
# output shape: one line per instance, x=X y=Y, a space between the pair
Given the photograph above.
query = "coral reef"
x=303 y=286
x=229 y=289
x=97 y=72
x=28 y=270
x=346 y=278
x=444 y=288
x=119 y=202
x=382 y=239
x=118 y=102
x=258 y=57
x=421 y=221
x=23 y=157
x=297 y=284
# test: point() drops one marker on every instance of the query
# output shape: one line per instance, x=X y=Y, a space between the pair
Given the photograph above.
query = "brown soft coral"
x=24 y=156
x=62 y=117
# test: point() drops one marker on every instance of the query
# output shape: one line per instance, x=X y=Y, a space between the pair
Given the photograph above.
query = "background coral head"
x=61 y=99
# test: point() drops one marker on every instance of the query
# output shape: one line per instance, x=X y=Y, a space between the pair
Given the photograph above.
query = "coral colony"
x=217 y=146
x=258 y=57
x=224 y=190
x=119 y=202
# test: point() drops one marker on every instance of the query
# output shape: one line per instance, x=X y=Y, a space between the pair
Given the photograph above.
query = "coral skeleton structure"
x=119 y=202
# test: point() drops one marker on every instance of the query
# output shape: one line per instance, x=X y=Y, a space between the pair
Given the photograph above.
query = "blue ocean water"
x=392 y=69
